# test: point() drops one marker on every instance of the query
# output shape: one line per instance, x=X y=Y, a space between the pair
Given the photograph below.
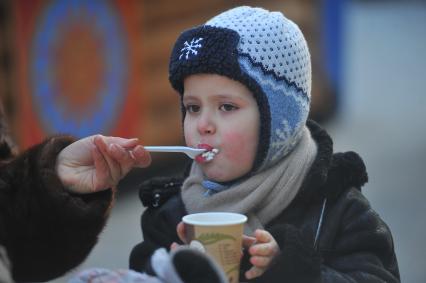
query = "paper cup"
x=219 y=234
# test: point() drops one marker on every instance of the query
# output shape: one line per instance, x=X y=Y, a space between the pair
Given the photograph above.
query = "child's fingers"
x=262 y=250
x=180 y=229
x=174 y=246
x=254 y=272
x=248 y=241
x=269 y=249
x=260 y=261
x=263 y=236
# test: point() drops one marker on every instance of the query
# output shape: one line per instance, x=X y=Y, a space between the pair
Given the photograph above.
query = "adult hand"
x=98 y=162
x=262 y=249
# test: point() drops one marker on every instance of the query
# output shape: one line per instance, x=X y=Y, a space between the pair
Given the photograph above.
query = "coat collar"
x=330 y=173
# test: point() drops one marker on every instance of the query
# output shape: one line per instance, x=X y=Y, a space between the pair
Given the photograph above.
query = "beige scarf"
x=261 y=197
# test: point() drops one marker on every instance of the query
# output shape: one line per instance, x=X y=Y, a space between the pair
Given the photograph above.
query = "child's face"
x=223 y=114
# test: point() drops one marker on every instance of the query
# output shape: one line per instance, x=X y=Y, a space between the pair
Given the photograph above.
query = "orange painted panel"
x=79 y=68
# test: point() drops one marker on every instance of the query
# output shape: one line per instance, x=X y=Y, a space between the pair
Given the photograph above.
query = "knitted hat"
x=267 y=53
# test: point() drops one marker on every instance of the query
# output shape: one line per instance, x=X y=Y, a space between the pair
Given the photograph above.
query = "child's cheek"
x=189 y=136
x=189 y=142
x=238 y=149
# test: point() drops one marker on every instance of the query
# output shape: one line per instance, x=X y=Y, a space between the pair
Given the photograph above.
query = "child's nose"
x=206 y=124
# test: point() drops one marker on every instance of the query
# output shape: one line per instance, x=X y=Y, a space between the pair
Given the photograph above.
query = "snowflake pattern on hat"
x=190 y=48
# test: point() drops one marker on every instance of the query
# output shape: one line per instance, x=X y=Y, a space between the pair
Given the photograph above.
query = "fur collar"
x=331 y=173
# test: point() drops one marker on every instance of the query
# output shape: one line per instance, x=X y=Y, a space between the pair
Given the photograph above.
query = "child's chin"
x=216 y=176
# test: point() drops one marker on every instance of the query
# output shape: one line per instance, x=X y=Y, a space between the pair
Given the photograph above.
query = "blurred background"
x=86 y=67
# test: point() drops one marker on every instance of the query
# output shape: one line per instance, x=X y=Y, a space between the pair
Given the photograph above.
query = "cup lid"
x=214 y=218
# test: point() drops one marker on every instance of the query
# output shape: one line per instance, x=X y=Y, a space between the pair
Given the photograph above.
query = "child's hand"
x=174 y=246
x=180 y=230
x=262 y=249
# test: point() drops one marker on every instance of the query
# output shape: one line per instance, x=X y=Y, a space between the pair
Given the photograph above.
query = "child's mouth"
x=208 y=155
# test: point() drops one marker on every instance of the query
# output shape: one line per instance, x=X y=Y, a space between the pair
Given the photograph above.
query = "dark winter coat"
x=45 y=230
x=329 y=233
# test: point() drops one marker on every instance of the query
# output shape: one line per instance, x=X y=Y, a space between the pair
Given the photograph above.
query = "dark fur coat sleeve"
x=46 y=230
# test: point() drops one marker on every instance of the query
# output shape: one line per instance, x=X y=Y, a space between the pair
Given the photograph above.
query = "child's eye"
x=192 y=108
x=228 y=107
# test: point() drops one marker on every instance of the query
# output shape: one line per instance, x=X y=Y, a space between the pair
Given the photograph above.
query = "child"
x=245 y=79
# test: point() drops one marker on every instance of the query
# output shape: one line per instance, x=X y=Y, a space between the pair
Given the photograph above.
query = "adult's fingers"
x=113 y=166
x=124 y=142
x=136 y=157
x=141 y=157
x=122 y=157
x=101 y=179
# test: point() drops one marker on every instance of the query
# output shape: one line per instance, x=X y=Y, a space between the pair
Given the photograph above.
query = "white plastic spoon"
x=191 y=152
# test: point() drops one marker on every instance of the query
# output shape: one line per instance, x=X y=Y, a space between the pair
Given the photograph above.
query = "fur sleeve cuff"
x=46 y=155
x=49 y=230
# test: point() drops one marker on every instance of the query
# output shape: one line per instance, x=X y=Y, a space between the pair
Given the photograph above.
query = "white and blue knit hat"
x=267 y=53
